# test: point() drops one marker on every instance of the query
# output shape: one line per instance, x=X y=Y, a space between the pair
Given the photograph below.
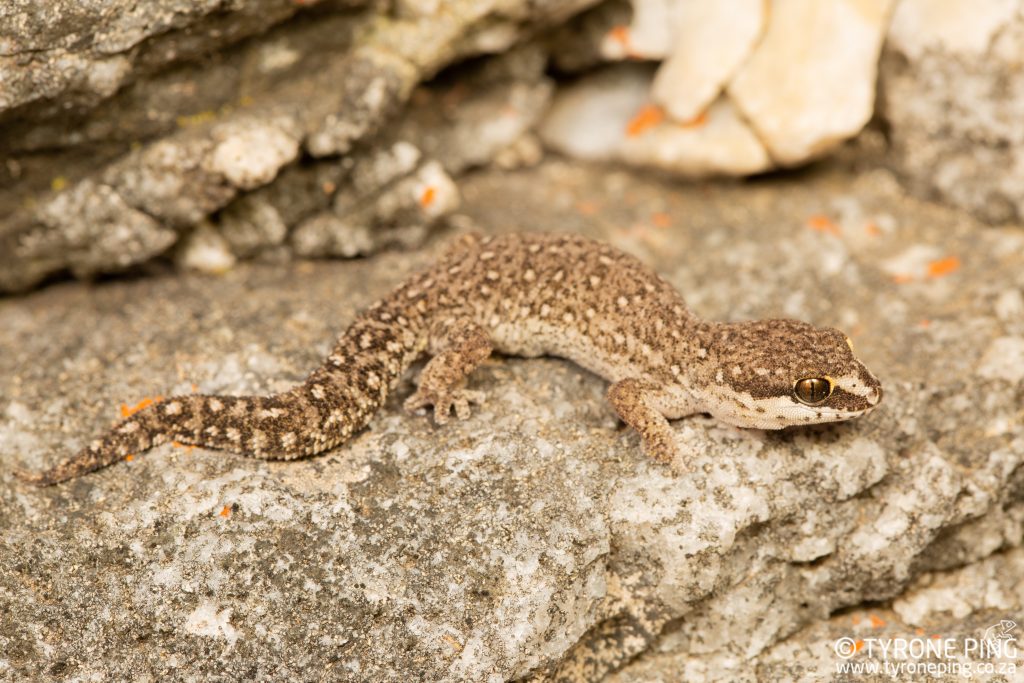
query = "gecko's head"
x=771 y=374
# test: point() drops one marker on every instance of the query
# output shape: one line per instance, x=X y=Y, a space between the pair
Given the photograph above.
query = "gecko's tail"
x=335 y=401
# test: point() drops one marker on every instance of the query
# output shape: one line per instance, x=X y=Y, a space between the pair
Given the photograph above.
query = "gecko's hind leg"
x=458 y=348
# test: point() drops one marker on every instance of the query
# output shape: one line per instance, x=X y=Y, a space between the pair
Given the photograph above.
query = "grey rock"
x=252 y=224
x=178 y=141
x=392 y=197
x=76 y=54
x=953 y=99
x=533 y=540
x=576 y=46
x=89 y=229
x=469 y=120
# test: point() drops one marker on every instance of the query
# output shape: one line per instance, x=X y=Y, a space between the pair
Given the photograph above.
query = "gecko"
x=525 y=295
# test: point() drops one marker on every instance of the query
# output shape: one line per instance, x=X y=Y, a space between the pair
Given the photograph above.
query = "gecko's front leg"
x=643 y=405
x=458 y=347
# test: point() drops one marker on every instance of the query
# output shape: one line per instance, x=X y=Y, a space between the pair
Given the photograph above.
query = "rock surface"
x=533 y=541
x=169 y=112
x=207 y=133
x=712 y=41
x=607 y=116
x=953 y=99
x=802 y=107
x=782 y=86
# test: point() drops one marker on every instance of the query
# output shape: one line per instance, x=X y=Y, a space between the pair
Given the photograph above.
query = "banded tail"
x=336 y=400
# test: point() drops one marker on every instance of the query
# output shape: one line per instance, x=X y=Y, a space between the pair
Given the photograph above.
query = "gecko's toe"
x=415 y=402
x=462 y=401
x=444 y=403
x=666 y=452
x=442 y=408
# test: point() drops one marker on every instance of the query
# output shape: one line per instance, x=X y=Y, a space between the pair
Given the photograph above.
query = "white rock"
x=959 y=26
x=206 y=621
x=608 y=116
x=434 y=191
x=810 y=83
x=250 y=154
x=588 y=119
x=650 y=35
x=205 y=250
x=712 y=41
x=720 y=144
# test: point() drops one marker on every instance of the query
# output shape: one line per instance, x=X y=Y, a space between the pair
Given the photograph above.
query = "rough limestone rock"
x=953 y=99
x=179 y=109
x=534 y=541
x=392 y=189
x=803 y=107
x=76 y=53
x=973 y=613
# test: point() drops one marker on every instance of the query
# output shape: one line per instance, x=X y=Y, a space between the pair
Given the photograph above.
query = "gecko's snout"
x=874 y=394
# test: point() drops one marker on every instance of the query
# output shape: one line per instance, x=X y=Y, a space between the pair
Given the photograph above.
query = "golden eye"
x=812 y=390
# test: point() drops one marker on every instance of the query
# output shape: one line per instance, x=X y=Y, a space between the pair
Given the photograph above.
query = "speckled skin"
x=526 y=295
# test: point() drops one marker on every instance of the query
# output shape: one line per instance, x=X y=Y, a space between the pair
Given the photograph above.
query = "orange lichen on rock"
x=824 y=224
x=696 y=122
x=649 y=116
x=187 y=447
x=128 y=411
x=876 y=622
x=660 y=219
x=129 y=457
x=943 y=266
x=620 y=34
x=225 y=511
x=427 y=197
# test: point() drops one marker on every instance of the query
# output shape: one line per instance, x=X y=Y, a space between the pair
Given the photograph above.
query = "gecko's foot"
x=665 y=451
x=443 y=402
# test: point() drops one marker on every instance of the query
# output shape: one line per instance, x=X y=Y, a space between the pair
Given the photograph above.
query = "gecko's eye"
x=812 y=390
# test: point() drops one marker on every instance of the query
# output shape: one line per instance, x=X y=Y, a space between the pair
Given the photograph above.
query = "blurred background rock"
x=207 y=132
